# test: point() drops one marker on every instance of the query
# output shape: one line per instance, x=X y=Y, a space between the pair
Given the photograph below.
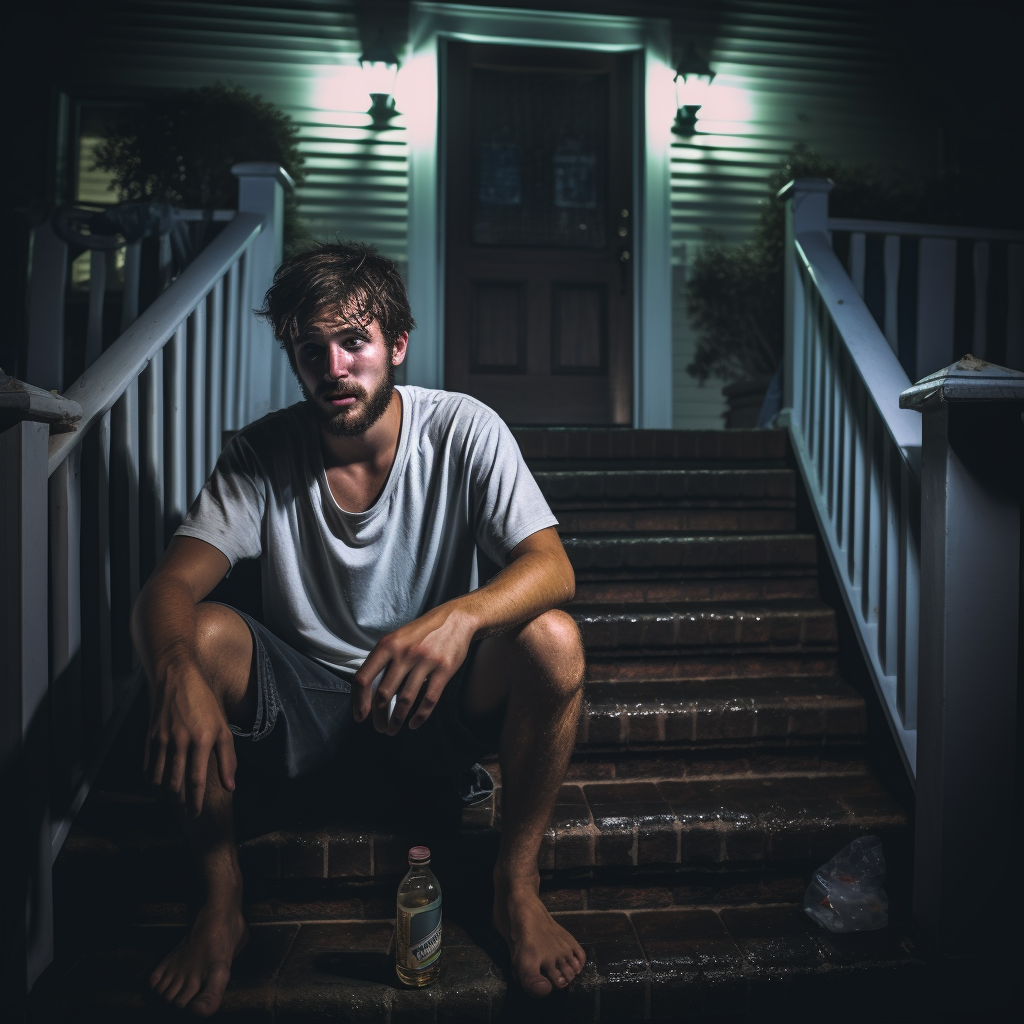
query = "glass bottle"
x=418 y=949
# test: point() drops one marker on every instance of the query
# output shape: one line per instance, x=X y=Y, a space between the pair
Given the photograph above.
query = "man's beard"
x=342 y=424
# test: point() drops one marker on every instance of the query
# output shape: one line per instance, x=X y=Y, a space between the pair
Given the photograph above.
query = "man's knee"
x=553 y=642
x=225 y=650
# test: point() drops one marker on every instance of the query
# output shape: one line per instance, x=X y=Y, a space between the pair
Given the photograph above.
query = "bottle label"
x=424 y=936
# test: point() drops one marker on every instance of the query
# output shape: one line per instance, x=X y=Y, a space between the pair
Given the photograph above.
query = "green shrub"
x=179 y=148
x=734 y=292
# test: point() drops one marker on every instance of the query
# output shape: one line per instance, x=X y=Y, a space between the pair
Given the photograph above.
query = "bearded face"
x=346 y=374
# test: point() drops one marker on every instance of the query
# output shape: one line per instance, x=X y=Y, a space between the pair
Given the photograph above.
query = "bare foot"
x=195 y=973
x=544 y=954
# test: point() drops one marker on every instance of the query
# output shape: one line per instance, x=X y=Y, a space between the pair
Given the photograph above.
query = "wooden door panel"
x=538 y=311
x=499 y=327
x=579 y=326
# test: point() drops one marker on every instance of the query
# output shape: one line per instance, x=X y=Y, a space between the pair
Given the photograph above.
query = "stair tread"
x=753 y=711
x=734 y=626
x=646 y=964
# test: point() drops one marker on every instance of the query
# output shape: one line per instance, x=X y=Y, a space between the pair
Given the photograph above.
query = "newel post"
x=26 y=850
x=806 y=202
x=971 y=485
x=261 y=189
x=24 y=721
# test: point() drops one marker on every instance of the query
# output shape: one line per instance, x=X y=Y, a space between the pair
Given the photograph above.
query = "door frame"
x=431 y=25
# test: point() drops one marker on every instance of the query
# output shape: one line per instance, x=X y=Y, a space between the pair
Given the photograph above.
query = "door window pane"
x=540 y=154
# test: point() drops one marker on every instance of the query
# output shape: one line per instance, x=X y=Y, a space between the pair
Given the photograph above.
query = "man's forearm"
x=536 y=581
x=164 y=627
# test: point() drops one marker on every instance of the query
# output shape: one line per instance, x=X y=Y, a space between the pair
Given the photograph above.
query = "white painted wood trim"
x=430 y=25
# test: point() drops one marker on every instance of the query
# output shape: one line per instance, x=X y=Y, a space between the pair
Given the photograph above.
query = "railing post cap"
x=21 y=401
x=791 y=188
x=968 y=380
x=263 y=170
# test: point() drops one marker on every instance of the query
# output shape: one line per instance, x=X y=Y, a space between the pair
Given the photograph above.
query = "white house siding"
x=811 y=72
x=792 y=72
x=301 y=56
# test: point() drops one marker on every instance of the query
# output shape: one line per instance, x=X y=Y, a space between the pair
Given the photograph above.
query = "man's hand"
x=430 y=649
x=426 y=652
x=186 y=726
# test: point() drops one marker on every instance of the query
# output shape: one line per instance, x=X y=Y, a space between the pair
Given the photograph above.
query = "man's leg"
x=536 y=672
x=196 y=972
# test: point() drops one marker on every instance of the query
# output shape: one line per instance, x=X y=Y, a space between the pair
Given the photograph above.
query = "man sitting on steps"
x=365 y=504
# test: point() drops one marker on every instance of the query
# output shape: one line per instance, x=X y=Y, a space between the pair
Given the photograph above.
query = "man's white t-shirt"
x=335 y=582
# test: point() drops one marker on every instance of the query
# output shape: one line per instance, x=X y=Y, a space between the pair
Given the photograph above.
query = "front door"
x=539 y=233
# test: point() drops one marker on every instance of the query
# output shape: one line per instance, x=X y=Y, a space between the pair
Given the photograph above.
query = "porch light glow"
x=692 y=80
x=379 y=70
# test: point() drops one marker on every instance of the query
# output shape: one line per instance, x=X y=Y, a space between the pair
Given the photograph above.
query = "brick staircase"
x=720 y=758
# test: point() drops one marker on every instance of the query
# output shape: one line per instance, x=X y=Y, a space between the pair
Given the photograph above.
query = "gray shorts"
x=304 y=723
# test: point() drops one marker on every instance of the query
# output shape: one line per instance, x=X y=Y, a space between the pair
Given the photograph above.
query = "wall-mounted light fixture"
x=380 y=69
x=693 y=76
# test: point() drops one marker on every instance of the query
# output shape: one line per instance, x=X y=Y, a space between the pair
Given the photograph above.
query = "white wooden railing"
x=937 y=291
x=921 y=521
x=86 y=513
x=859 y=454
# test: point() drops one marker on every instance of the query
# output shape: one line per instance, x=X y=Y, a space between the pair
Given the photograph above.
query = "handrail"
x=105 y=381
x=879 y=369
x=886 y=227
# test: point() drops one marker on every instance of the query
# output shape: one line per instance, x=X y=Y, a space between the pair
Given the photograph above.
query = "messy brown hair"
x=348 y=283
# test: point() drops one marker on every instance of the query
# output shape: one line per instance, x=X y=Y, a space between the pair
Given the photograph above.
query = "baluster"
x=44 y=356
x=874 y=438
x=230 y=382
x=151 y=497
x=164 y=263
x=843 y=467
x=214 y=370
x=821 y=426
x=1015 y=306
x=97 y=292
x=65 y=498
x=196 y=420
x=891 y=274
x=807 y=369
x=810 y=374
x=979 y=331
x=827 y=395
x=244 y=339
x=96 y=581
x=796 y=369
x=858 y=260
x=125 y=529
x=889 y=579
x=130 y=296
x=857 y=482
x=910 y=597
x=175 y=480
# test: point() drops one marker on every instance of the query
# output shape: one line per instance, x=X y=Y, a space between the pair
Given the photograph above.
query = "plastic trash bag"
x=846 y=894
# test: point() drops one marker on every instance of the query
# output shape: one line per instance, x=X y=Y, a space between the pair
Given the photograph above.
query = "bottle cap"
x=419 y=855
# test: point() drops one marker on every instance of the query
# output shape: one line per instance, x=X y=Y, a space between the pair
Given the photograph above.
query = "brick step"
x=541 y=445
x=756 y=588
x=675 y=520
x=744 y=712
x=779 y=627
x=673 y=666
x=641 y=965
x=694 y=824
x=653 y=555
x=687 y=488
